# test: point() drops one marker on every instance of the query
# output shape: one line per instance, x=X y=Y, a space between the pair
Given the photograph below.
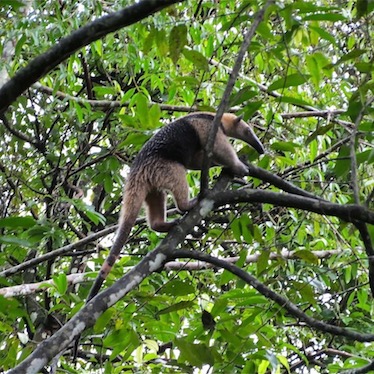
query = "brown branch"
x=276 y=94
x=336 y=146
x=314 y=113
x=152 y=262
x=58 y=252
x=107 y=104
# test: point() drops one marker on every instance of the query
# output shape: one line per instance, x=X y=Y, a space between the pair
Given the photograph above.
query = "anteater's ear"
x=238 y=119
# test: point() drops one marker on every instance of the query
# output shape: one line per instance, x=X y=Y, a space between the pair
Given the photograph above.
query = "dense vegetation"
x=72 y=122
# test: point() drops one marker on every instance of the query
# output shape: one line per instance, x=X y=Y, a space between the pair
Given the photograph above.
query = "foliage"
x=68 y=141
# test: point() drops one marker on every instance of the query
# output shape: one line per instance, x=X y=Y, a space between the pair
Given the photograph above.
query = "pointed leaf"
x=289 y=81
x=177 y=41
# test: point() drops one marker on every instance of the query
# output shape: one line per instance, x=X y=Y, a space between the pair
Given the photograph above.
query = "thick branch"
x=348 y=212
x=45 y=62
x=30 y=288
x=270 y=294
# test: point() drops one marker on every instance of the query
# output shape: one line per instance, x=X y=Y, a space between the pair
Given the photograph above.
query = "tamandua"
x=160 y=167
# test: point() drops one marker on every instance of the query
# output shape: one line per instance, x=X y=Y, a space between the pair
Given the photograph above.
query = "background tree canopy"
x=289 y=282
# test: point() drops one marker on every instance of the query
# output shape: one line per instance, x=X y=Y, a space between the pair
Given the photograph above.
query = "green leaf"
x=364 y=67
x=149 y=40
x=307 y=293
x=263 y=262
x=196 y=354
x=324 y=34
x=196 y=58
x=61 y=283
x=354 y=108
x=307 y=256
x=21 y=41
x=362 y=8
x=7 y=239
x=314 y=69
x=289 y=81
x=365 y=157
x=246 y=228
x=243 y=95
x=178 y=288
x=226 y=277
x=178 y=306
x=135 y=138
x=219 y=306
x=348 y=56
x=177 y=41
x=103 y=320
x=284 y=146
x=162 y=42
x=321 y=130
x=18 y=222
x=252 y=107
x=89 y=210
x=15 y=4
x=142 y=110
x=293 y=100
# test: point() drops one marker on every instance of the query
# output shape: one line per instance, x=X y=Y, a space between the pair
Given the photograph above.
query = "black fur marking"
x=177 y=141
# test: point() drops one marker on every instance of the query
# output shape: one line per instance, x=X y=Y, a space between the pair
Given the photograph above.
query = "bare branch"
x=31 y=288
x=348 y=212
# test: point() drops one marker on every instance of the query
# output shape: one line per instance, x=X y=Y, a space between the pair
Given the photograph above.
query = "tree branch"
x=270 y=294
x=76 y=278
x=106 y=104
x=308 y=202
x=30 y=288
x=348 y=212
x=191 y=266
